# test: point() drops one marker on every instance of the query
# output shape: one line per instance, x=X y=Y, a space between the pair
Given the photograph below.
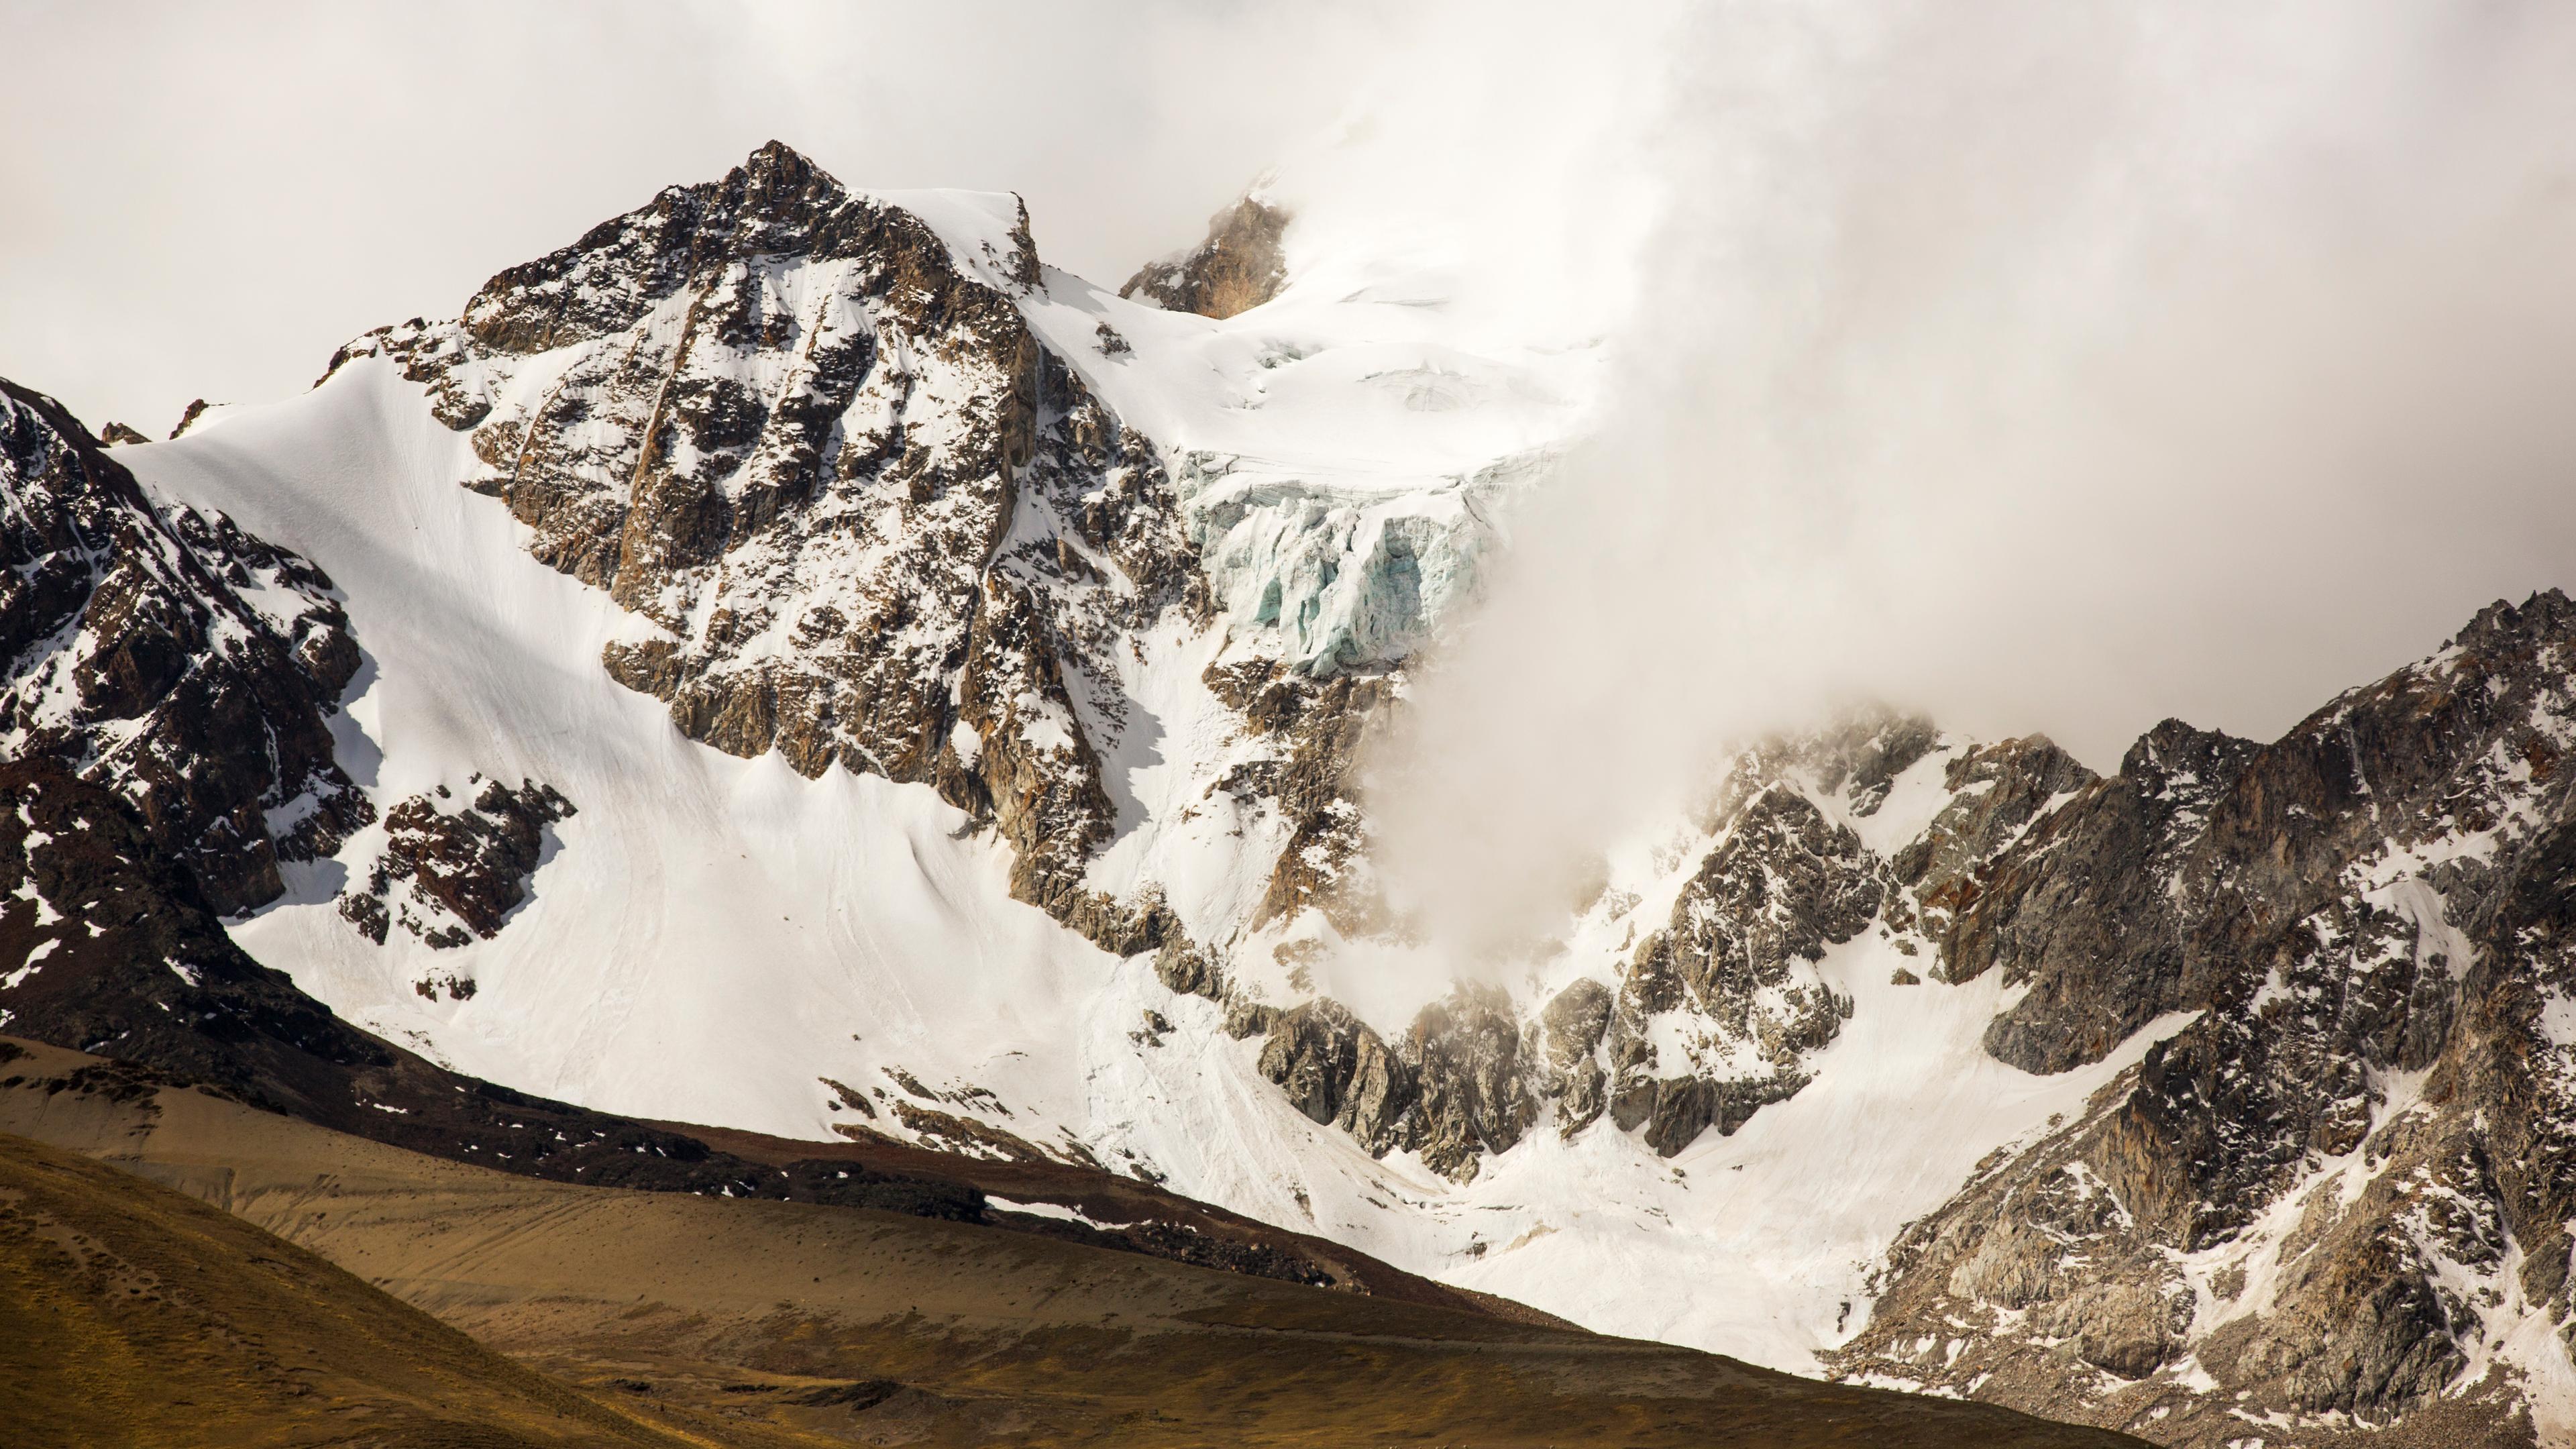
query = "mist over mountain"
x=1878 y=691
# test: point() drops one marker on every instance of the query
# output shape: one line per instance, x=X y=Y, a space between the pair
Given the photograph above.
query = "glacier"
x=1331 y=577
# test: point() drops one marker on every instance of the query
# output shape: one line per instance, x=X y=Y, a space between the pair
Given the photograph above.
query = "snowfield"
x=713 y=939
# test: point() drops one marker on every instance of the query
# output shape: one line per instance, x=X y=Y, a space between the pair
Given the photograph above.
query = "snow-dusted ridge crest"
x=956 y=670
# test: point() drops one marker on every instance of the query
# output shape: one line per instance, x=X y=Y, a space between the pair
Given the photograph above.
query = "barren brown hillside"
x=759 y=1322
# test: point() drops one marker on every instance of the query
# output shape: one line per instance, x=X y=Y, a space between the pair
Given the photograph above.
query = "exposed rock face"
x=1729 y=972
x=452 y=871
x=1239 y=266
x=1783 y=883
x=1726 y=981
x=1476 y=1094
x=2346 y=1185
x=1674 y=1111
x=170 y=656
x=1453 y=1089
x=1336 y=1070
x=1996 y=792
x=2085 y=908
x=1317 y=726
x=197 y=408
x=1571 y=1030
x=1185 y=970
x=878 y=524
x=103 y=942
x=1720 y=1006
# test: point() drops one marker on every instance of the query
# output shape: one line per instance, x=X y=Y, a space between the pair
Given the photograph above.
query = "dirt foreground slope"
x=132 y=1315
x=757 y=1322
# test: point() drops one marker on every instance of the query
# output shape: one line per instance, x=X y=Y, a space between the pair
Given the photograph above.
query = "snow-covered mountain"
x=793 y=661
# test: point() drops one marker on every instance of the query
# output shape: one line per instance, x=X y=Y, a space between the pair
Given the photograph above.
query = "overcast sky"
x=205 y=200
x=2048 y=367
x=2041 y=366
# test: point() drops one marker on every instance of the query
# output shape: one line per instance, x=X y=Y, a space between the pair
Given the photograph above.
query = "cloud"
x=1488 y=152
x=2046 y=367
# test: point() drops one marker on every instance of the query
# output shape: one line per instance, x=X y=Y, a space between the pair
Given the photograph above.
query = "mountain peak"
x=776 y=203
x=777 y=155
x=2545 y=612
x=778 y=177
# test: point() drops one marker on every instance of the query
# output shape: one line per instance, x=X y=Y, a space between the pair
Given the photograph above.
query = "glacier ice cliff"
x=1339 y=577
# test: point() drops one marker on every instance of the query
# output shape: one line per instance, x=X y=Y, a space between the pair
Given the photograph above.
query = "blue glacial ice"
x=1340 y=577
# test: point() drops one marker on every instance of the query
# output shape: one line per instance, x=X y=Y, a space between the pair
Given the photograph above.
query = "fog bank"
x=2048 y=368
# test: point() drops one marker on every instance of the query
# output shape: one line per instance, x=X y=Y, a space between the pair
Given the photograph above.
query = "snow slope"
x=711 y=933
x=717 y=940
x=1342 y=452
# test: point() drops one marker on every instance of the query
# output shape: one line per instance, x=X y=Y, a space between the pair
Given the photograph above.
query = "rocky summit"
x=793 y=661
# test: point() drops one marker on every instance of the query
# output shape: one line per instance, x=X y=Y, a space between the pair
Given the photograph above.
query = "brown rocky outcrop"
x=1239 y=266
x=196 y=408
x=1735 y=959
x=451 y=870
x=1572 y=1027
x=879 y=524
x=1782 y=885
x=1475 y=1093
x=1733 y=965
x=1316 y=727
x=1996 y=791
x=2083 y=908
x=1339 y=1072
x=2367 y=917
x=172 y=657
x=1452 y=1089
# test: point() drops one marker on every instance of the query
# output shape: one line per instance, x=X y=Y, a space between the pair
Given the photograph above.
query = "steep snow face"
x=1343 y=453
x=898 y=688
x=709 y=937
x=896 y=498
x=714 y=938
x=734 y=936
x=690 y=412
